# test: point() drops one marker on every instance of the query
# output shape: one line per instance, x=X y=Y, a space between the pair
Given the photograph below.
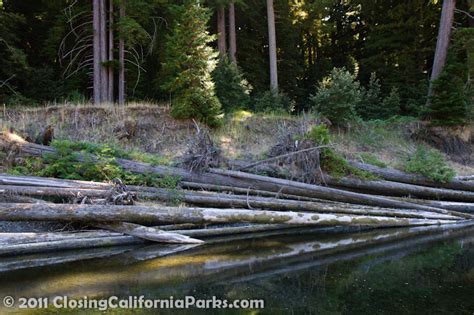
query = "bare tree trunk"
x=272 y=46
x=111 y=52
x=96 y=52
x=103 y=51
x=444 y=32
x=221 y=39
x=232 y=34
x=121 y=88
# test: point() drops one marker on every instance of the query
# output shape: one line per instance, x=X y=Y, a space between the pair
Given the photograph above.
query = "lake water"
x=390 y=271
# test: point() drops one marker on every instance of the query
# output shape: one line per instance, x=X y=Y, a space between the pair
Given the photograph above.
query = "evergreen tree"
x=188 y=64
x=231 y=88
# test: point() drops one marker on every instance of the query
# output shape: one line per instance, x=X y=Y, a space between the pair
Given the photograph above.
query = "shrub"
x=273 y=102
x=429 y=163
x=64 y=163
x=369 y=158
x=319 y=134
x=374 y=106
x=232 y=89
x=337 y=96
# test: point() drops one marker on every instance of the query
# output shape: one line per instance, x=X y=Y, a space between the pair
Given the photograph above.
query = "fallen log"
x=231 y=178
x=465 y=178
x=333 y=194
x=235 y=201
x=388 y=188
x=402 y=177
x=148 y=233
x=160 y=215
x=466 y=207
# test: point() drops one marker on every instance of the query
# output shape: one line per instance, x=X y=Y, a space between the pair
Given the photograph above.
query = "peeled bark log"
x=402 y=177
x=388 y=188
x=148 y=233
x=160 y=215
x=233 y=201
x=333 y=194
x=235 y=179
x=465 y=178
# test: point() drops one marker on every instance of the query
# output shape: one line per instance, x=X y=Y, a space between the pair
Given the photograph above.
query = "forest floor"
x=149 y=128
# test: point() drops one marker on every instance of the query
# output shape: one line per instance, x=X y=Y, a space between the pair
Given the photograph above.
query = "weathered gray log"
x=148 y=233
x=402 y=177
x=333 y=194
x=160 y=215
x=236 y=201
x=245 y=191
x=465 y=178
x=467 y=207
x=221 y=177
x=388 y=188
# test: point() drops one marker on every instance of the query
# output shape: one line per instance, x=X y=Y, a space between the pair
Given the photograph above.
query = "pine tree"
x=189 y=61
x=231 y=88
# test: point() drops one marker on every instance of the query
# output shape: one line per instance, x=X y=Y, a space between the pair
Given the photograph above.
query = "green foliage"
x=319 y=134
x=337 y=166
x=65 y=163
x=373 y=105
x=337 y=96
x=273 y=102
x=430 y=163
x=369 y=158
x=231 y=87
x=189 y=62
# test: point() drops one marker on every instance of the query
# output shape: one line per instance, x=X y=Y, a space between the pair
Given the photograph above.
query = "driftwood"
x=388 y=188
x=332 y=193
x=402 y=177
x=219 y=200
x=148 y=233
x=160 y=215
x=465 y=178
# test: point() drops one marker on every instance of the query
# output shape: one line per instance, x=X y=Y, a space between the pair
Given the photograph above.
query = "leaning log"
x=402 y=177
x=148 y=233
x=161 y=215
x=332 y=193
x=388 y=188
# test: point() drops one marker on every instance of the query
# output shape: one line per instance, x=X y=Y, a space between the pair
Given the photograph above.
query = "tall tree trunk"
x=272 y=46
x=232 y=33
x=103 y=51
x=444 y=32
x=221 y=40
x=111 y=52
x=96 y=52
x=121 y=87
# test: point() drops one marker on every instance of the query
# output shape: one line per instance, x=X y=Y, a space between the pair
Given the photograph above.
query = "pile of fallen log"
x=213 y=203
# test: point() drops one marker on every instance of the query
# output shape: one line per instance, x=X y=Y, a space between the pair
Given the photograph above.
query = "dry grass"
x=243 y=135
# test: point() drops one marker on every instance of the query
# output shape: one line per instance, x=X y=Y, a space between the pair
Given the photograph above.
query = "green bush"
x=374 y=106
x=232 y=89
x=64 y=163
x=273 y=102
x=319 y=134
x=430 y=163
x=337 y=96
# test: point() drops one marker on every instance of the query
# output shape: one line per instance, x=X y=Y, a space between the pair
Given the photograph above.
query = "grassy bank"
x=149 y=128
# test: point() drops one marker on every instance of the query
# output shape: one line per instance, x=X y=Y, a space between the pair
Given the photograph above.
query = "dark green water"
x=392 y=271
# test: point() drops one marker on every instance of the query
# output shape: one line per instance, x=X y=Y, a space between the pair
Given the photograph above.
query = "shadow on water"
x=403 y=270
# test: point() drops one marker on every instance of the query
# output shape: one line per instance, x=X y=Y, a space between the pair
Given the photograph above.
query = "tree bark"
x=163 y=215
x=272 y=47
x=230 y=201
x=96 y=53
x=104 y=86
x=232 y=33
x=388 y=188
x=111 y=53
x=121 y=83
x=148 y=233
x=221 y=36
x=442 y=43
x=402 y=177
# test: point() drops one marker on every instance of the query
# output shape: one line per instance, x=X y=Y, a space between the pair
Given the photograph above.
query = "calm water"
x=423 y=272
